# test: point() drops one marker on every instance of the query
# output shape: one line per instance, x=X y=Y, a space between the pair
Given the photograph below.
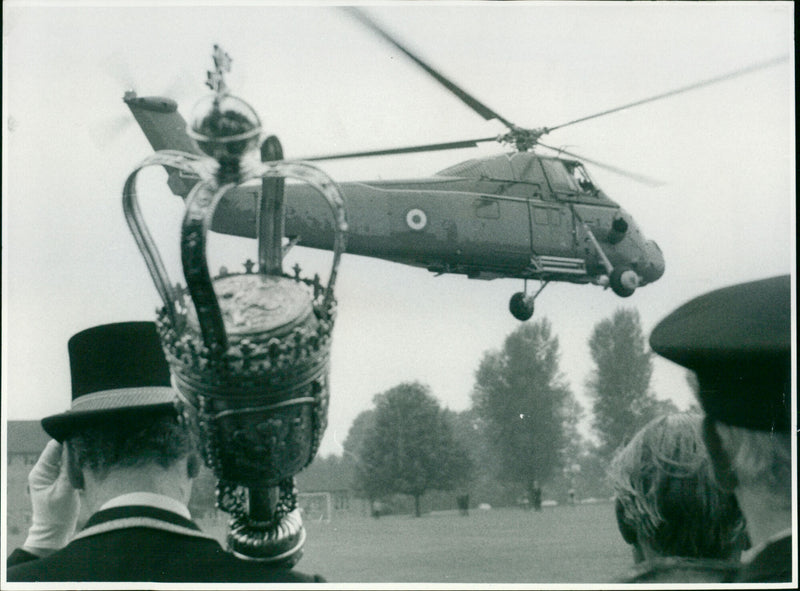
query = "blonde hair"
x=667 y=494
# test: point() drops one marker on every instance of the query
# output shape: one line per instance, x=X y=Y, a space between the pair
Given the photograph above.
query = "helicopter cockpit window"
x=581 y=178
x=560 y=179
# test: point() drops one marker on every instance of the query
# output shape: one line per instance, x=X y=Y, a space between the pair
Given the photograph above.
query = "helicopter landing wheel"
x=521 y=306
x=623 y=281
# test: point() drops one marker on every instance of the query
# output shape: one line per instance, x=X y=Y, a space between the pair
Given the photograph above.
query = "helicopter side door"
x=552 y=224
x=551 y=228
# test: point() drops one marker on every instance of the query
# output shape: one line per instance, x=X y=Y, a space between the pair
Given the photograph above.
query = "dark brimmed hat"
x=119 y=373
x=738 y=342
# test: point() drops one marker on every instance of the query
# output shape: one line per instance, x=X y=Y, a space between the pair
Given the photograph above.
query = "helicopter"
x=519 y=214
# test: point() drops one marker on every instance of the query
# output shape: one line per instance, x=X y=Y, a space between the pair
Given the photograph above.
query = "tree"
x=470 y=432
x=526 y=406
x=353 y=457
x=620 y=382
x=410 y=447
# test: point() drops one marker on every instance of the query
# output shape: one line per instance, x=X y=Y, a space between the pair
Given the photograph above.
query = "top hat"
x=118 y=372
x=738 y=341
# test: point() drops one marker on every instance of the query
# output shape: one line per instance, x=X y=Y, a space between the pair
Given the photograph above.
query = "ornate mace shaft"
x=249 y=352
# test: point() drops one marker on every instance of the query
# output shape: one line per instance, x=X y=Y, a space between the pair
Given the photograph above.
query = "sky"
x=725 y=153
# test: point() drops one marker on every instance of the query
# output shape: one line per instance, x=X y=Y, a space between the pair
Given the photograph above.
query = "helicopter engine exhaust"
x=618 y=229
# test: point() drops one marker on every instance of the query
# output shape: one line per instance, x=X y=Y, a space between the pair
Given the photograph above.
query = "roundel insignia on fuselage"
x=416 y=219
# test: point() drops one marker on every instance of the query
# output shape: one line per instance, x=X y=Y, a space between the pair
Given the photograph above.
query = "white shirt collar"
x=151 y=500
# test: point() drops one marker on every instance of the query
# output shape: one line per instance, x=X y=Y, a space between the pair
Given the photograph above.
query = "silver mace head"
x=248 y=352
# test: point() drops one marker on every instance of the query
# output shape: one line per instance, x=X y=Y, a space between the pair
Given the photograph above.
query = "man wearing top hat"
x=124 y=450
x=738 y=342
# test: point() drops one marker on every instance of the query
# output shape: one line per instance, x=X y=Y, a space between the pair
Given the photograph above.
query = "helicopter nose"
x=655 y=266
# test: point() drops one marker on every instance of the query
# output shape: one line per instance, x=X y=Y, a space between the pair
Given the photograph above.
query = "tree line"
x=521 y=430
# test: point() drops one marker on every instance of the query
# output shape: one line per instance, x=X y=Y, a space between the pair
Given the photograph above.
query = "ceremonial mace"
x=249 y=352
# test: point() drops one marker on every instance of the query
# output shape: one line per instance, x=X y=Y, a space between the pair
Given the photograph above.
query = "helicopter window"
x=554 y=217
x=487 y=208
x=581 y=177
x=560 y=179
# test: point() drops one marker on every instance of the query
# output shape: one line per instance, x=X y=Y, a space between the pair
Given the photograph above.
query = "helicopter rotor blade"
x=645 y=180
x=405 y=150
x=472 y=102
x=707 y=82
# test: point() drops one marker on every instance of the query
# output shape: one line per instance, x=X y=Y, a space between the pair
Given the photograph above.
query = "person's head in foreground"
x=123 y=431
x=668 y=503
x=128 y=453
x=737 y=340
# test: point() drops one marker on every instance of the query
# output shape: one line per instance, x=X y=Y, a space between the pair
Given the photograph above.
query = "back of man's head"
x=125 y=416
x=152 y=441
x=668 y=502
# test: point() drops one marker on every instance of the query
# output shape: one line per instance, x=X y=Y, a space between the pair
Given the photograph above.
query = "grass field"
x=564 y=544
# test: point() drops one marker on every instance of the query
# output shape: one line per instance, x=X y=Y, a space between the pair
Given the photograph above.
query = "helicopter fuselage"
x=482 y=227
x=518 y=215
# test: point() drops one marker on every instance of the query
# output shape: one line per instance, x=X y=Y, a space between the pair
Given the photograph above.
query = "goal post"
x=316 y=506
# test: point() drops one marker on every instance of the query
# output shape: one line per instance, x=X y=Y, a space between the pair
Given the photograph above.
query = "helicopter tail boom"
x=165 y=129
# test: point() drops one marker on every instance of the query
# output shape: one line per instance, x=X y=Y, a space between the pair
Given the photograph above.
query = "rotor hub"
x=523 y=139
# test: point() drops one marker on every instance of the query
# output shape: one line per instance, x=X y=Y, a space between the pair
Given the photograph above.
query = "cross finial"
x=222 y=64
